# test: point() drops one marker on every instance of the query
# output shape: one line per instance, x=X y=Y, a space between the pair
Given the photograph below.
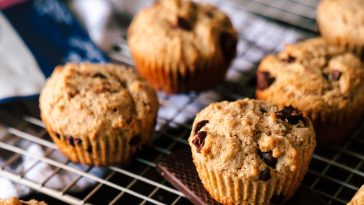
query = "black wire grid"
x=265 y=26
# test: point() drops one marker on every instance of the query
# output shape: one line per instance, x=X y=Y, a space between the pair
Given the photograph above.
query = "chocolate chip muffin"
x=251 y=151
x=15 y=201
x=358 y=198
x=98 y=114
x=324 y=81
x=180 y=45
x=341 y=22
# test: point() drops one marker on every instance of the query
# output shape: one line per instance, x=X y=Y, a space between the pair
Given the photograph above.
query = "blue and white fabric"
x=35 y=36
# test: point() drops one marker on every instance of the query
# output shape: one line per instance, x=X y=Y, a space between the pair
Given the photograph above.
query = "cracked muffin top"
x=252 y=139
x=98 y=100
x=183 y=30
x=312 y=75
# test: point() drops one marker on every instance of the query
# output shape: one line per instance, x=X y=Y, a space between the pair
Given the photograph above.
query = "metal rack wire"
x=335 y=172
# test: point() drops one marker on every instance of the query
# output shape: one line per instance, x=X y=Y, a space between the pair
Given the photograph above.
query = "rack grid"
x=335 y=172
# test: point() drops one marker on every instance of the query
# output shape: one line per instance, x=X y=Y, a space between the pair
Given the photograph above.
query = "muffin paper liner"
x=331 y=128
x=227 y=189
x=98 y=152
x=179 y=78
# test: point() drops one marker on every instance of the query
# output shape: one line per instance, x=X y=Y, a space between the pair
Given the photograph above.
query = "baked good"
x=180 y=45
x=251 y=151
x=358 y=198
x=15 y=201
x=322 y=80
x=341 y=22
x=98 y=114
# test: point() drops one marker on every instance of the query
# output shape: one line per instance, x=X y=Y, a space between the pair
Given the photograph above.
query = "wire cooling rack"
x=335 y=172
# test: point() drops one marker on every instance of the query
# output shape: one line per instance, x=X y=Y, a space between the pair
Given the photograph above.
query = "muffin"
x=341 y=22
x=358 y=198
x=98 y=114
x=15 y=201
x=322 y=80
x=250 y=151
x=180 y=45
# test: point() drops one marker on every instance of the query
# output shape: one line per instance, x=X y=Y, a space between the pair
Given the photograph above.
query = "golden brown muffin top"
x=183 y=31
x=98 y=100
x=312 y=75
x=251 y=139
x=342 y=20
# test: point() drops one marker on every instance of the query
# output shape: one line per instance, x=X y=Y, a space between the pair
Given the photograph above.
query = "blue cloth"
x=52 y=34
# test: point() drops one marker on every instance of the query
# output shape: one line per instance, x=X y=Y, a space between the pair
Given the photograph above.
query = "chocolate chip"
x=73 y=141
x=277 y=199
x=73 y=93
x=77 y=141
x=302 y=124
x=267 y=158
x=335 y=75
x=70 y=141
x=135 y=140
x=183 y=23
x=89 y=149
x=264 y=80
x=291 y=115
x=228 y=45
x=199 y=140
x=262 y=110
x=324 y=75
x=264 y=175
x=209 y=14
x=58 y=135
x=99 y=75
x=200 y=125
x=122 y=83
x=289 y=59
